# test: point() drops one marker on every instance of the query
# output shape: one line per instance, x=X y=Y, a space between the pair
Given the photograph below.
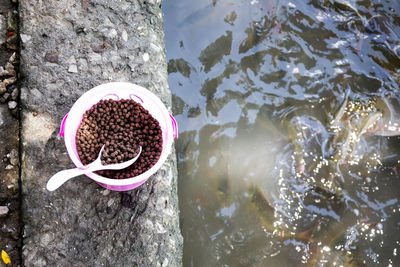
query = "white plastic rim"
x=116 y=91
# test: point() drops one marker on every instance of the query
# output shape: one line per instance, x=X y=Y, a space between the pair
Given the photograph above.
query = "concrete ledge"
x=68 y=47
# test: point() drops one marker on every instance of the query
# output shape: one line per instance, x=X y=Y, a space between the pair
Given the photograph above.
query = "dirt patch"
x=10 y=201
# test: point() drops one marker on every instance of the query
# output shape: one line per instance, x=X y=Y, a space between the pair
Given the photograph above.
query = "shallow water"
x=255 y=86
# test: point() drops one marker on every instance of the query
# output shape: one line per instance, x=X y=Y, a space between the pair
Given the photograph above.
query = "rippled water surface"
x=281 y=162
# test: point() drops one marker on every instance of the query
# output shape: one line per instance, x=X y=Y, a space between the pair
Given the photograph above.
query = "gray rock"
x=80 y=224
x=3 y=210
x=3 y=72
x=13 y=157
x=73 y=68
x=146 y=57
x=95 y=58
x=6 y=96
x=11 y=21
x=3 y=29
x=112 y=33
x=106 y=192
x=9 y=167
x=14 y=94
x=13 y=58
x=12 y=104
x=12 y=41
x=3 y=88
x=124 y=36
x=9 y=68
x=52 y=56
x=71 y=60
x=83 y=65
x=25 y=38
x=10 y=80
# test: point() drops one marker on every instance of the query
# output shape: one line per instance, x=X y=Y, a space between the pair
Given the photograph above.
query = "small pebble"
x=14 y=94
x=73 y=68
x=9 y=71
x=6 y=96
x=71 y=60
x=3 y=88
x=25 y=38
x=3 y=210
x=112 y=33
x=9 y=167
x=10 y=80
x=52 y=56
x=3 y=72
x=12 y=104
x=13 y=157
x=124 y=36
x=9 y=67
x=11 y=22
x=110 y=202
x=11 y=42
x=106 y=192
x=13 y=58
x=94 y=58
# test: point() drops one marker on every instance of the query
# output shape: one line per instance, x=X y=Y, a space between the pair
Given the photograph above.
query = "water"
x=267 y=176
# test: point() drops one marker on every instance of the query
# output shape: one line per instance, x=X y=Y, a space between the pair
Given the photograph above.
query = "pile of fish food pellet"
x=122 y=126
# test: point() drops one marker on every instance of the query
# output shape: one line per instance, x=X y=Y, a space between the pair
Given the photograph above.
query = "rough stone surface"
x=83 y=224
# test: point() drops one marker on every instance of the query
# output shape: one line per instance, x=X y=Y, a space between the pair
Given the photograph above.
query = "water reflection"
x=278 y=104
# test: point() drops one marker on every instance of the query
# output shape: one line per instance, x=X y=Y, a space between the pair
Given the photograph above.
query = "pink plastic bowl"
x=117 y=91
